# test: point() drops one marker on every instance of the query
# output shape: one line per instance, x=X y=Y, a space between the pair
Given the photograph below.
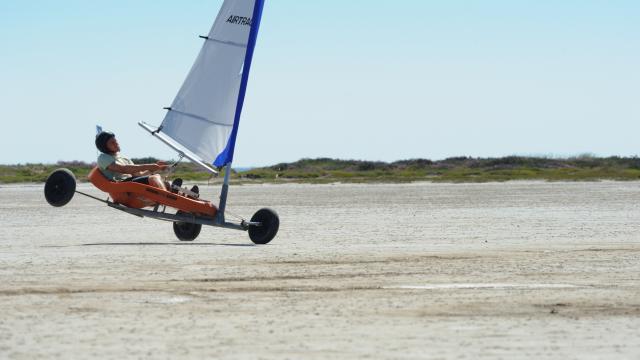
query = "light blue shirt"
x=105 y=160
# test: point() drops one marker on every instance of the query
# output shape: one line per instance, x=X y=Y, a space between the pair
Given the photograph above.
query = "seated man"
x=116 y=167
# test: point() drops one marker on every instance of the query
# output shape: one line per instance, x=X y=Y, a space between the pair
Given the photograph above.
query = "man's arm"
x=137 y=170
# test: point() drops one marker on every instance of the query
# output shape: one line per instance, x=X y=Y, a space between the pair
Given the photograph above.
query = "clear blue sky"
x=375 y=80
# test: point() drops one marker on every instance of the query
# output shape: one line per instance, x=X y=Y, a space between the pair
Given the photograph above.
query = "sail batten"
x=205 y=113
x=230 y=43
x=193 y=116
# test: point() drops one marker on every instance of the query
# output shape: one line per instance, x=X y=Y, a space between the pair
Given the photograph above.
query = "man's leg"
x=156 y=180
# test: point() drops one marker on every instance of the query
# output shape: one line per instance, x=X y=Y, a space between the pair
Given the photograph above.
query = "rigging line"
x=171 y=143
x=173 y=167
x=226 y=212
x=197 y=117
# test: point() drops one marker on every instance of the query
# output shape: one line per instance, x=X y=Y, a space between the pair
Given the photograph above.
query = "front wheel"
x=60 y=187
x=268 y=228
x=186 y=231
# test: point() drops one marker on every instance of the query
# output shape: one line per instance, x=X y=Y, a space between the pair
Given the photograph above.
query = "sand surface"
x=427 y=271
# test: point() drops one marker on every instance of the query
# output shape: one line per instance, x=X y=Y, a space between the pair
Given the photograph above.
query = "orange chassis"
x=133 y=197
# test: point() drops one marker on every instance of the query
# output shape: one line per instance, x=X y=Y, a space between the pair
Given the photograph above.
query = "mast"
x=223 y=196
x=226 y=157
x=202 y=121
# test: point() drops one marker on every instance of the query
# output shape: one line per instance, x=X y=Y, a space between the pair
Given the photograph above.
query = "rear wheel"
x=186 y=231
x=60 y=187
x=269 y=224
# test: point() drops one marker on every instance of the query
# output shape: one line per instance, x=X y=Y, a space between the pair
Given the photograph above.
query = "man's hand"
x=162 y=165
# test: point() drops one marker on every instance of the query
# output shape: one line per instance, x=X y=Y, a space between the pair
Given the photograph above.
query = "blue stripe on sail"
x=226 y=156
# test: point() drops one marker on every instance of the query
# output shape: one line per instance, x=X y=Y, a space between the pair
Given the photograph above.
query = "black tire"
x=60 y=187
x=186 y=231
x=270 y=222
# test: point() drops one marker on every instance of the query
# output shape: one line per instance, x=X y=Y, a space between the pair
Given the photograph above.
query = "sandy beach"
x=511 y=270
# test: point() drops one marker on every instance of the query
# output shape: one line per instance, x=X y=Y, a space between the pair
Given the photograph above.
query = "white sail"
x=204 y=116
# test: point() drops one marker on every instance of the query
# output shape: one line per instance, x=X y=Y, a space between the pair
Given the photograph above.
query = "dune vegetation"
x=325 y=170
